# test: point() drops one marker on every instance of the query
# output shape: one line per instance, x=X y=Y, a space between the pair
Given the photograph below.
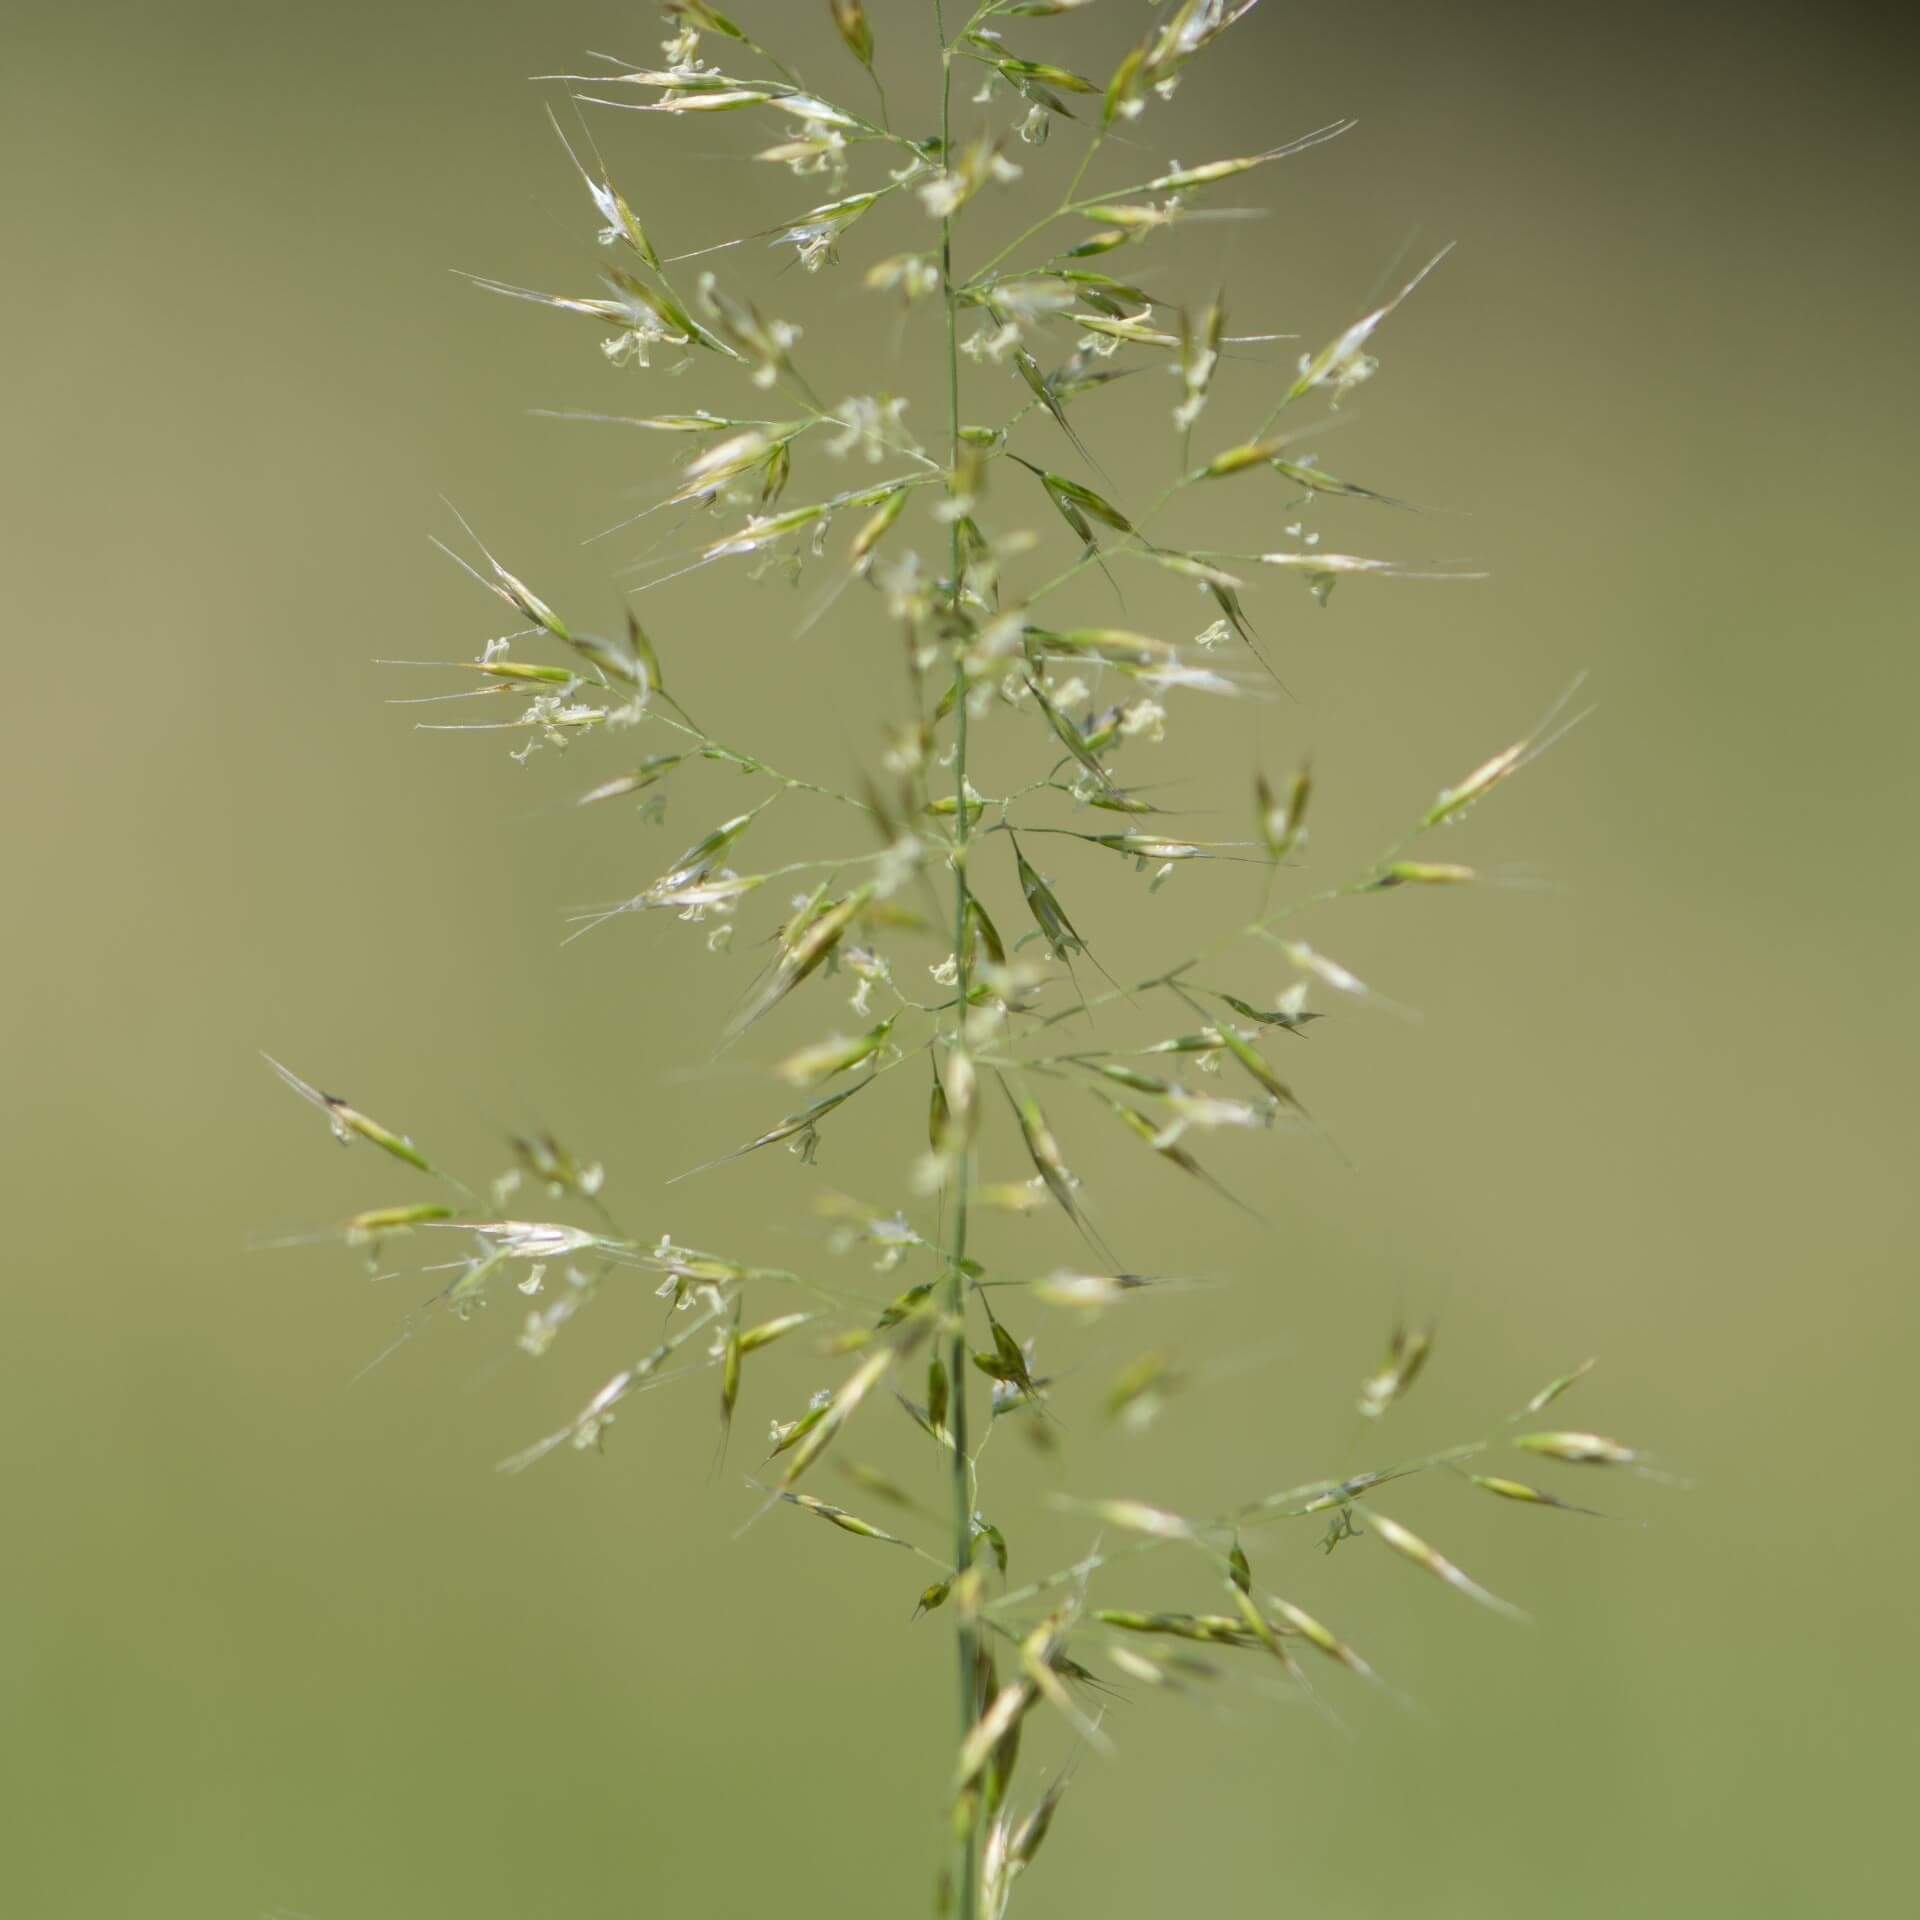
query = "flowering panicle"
x=948 y=904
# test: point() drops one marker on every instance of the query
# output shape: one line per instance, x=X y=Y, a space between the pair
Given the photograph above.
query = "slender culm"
x=965 y=1639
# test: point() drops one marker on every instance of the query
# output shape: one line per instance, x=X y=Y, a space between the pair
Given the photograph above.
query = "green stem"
x=966 y=1634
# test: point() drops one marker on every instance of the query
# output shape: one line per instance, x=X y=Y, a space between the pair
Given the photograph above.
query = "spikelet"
x=1410 y=1546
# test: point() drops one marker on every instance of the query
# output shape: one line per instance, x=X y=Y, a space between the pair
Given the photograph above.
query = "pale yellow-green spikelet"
x=1508 y=1489
x=1141 y=1388
x=1138 y=1666
x=1555 y=1388
x=382 y=1137
x=1455 y=800
x=845 y=1521
x=1011 y=1196
x=803 y=954
x=1044 y=1151
x=955 y=1118
x=1410 y=1546
x=850 y=18
x=1087 y=1293
x=821 y=1061
x=852 y=1391
x=730 y=1367
x=1262 y=1629
x=349 y=1123
x=937 y=1392
x=875 y=527
x=1519 y=1490
x=1003 y=1714
x=1283 y=820
x=1135 y=1516
x=768 y=1331
x=1579 y=1449
x=1482 y=780
x=621 y=786
x=788 y=1434
x=1406 y=1356
x=1255 y=1062
x=1423 y=873
x=1343 y=361
x=379 y=1221
x=1211 y=1628
x=1031 y=1833
x=1311 y=1630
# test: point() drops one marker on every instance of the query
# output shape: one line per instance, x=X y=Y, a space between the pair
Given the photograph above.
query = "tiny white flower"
x=872 y=425
x=991 y=345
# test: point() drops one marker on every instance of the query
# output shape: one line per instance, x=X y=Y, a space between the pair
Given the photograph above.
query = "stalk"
x=966 y=1649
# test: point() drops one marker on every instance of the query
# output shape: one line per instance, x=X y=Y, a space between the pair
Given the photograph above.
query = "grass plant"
x=932 y=949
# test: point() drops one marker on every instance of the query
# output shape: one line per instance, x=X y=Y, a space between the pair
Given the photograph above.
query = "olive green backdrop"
x=271 y=1641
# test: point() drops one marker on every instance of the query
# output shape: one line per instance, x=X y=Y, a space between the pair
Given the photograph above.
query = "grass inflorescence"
x=945 y=905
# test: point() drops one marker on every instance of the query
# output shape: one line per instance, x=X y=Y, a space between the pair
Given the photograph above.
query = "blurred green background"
x=271 y=1641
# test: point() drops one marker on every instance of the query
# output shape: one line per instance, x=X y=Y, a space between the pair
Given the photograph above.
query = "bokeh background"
x=272 y=1641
